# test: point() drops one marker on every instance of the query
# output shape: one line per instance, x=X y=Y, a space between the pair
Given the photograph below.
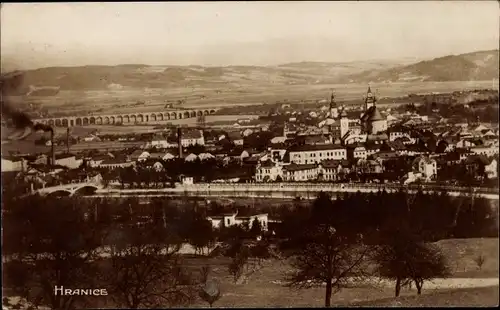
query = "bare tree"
x=480 y=260
x=405 y=259
x=328 y=258
x=326 y=250
x=239 y=262
x=49 y=244
x=260 y=251
x=145 y=270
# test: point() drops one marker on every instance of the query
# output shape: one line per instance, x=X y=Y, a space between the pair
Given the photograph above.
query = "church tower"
x=344 y=123
x=334 y=113
x=370 y=99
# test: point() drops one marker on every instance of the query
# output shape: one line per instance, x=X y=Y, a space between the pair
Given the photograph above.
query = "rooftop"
x=297 y=167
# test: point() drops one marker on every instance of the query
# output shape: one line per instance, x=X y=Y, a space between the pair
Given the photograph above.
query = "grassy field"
x=126 y=101
x=264 y=290
x=470 y=297
x=265 y=286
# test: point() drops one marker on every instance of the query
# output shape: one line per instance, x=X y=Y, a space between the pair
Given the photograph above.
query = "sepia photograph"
x=267 y=154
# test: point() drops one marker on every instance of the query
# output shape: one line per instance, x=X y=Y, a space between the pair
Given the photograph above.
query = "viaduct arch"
x=126 y=119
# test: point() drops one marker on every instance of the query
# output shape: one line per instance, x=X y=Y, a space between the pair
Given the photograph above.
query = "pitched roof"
x=331 y=163
x=234 y=135
x=192 y=134
x=113 y=161
x=298 y=167
x=375 y=137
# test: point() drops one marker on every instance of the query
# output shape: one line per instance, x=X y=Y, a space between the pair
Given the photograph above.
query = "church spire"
x=370 y=99
x=334 y=113
x=333 y=104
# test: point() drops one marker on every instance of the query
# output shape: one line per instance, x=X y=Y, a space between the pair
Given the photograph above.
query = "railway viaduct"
x=128 y=118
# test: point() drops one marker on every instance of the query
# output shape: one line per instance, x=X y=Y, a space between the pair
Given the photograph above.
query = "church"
x=336 y=121
x=372 y=121
x=373 y=124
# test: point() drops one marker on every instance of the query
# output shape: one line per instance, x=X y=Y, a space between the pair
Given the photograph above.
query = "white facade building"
x=311 y=154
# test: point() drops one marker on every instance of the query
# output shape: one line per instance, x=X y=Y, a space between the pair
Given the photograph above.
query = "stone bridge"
x=69 y=189
x=128 y=118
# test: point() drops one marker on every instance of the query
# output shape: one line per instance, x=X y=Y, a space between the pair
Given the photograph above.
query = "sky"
x=243 y=33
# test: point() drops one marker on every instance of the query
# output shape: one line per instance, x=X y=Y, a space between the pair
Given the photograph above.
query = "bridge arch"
x=78 y=121
x=126 y=119
x=58 y=123
x=119 y=119
x=85 y=121
x=112 y=120
x=167 y=116
x=133 y=119
x=71 y=122
x=64 y=122
x=173 y=115
x=153 y=117
x=106 y=120
x=206 y=112
x=59 y=193
x=87 y=189
x=98 y=120
x=186 y=115
x=92 y=120
x=146 y=118
x=51 y=122
x=159 y=117
x=199 y=113
x=212 y=111
x=193 y=113
x=140 y=118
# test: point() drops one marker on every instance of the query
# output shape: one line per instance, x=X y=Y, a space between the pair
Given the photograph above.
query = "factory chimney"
x=179 y=139
x=52 y=150
x=67 y=140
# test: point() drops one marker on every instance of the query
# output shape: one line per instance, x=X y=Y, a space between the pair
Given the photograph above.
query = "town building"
x=11 y=164
x=233 y=219
x=426 y=166
x=268 y=172
x=309 y=154
x=484 y=150
x=192 y=137
x=300 y=172
x=333 y=170
x=114 y=163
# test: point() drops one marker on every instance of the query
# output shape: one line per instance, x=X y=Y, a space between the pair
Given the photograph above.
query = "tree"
x=256 y=229
x=260 y=251
x=325 y=252
x=202 y=236
x=405 y=258
x=145 y=270
x=50 y=245
x=239 y=262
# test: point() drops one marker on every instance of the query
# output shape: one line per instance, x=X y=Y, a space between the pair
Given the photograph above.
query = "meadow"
x=155 y=99
x=265 y=288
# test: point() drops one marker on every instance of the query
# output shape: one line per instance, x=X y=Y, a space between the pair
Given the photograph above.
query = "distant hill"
x=483 y=65
x=145 y=76
x=473 y=66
